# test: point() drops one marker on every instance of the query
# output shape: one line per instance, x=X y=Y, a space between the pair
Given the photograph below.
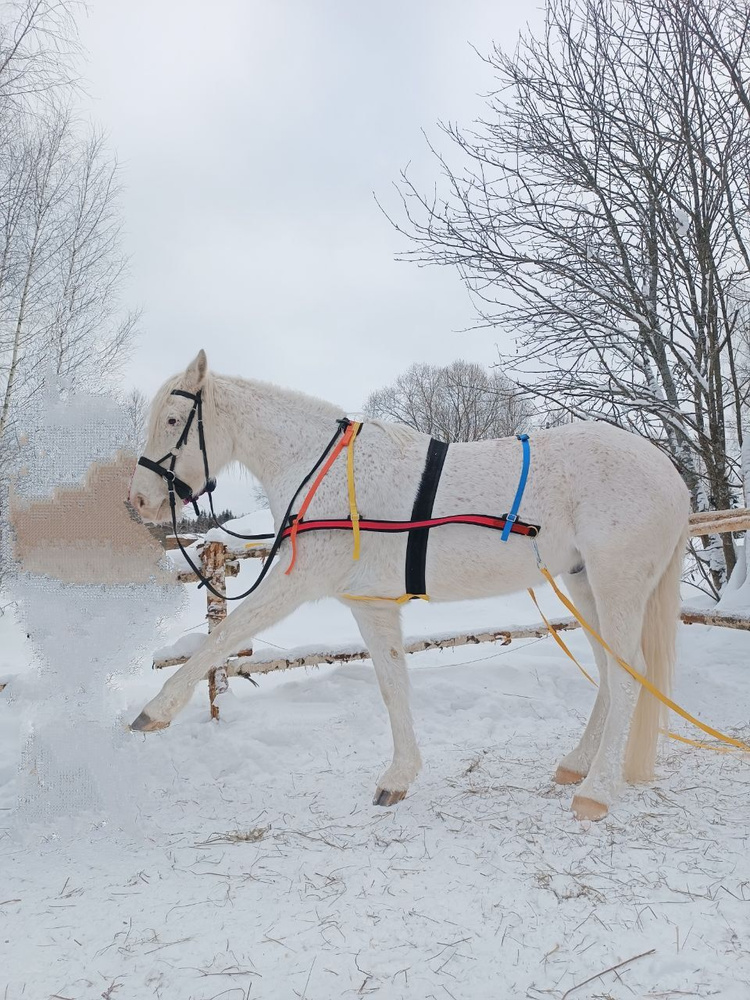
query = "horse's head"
x=180 y=439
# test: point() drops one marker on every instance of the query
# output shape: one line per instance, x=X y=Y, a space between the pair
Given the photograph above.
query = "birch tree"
x=88 y=334
x=136 y=407
x=61 y=260
x=38 y=47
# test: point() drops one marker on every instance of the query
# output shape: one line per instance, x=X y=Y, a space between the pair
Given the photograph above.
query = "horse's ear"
x=195 y=375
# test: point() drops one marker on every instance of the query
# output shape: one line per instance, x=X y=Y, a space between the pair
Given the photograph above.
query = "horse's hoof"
x=145 y=724
x=564 y=776
x=386 y=798
x=585 y=808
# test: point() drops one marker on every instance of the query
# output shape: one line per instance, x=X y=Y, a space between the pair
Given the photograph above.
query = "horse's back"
x=589 y=485
x=586 y=462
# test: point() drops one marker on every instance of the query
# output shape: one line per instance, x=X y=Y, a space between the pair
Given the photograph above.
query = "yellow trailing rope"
x=636 y=675
x=566 y=649
x=558 y=639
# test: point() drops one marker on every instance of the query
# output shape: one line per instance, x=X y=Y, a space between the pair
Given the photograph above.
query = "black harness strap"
x=416 y=546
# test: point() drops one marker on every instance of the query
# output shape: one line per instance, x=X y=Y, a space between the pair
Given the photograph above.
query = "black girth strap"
x=416 y=546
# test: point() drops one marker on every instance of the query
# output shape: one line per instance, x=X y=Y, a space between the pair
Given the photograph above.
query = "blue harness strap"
x=513 y=515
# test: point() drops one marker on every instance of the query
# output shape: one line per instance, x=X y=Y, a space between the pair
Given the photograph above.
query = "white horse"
x=613 y=513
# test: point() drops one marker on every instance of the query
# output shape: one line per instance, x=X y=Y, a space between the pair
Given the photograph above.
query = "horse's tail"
x=658 y=646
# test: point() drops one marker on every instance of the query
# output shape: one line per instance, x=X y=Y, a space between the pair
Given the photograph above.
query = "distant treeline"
x=191 y=525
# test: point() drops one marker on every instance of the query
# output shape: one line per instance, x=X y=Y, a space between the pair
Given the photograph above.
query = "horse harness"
x=418 y=526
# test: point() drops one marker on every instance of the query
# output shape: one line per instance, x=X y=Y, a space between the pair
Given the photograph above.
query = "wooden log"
x=213 y=555
x=720 y=527
x=711 y=617
x=260 y=665
x=345 y=655
x=169 y=661
x=231 y=568
x=176 y=661
x=258 y=551
x=718 y=515
x=172 y=542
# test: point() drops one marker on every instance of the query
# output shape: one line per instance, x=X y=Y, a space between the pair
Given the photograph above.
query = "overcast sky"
x=252 y=137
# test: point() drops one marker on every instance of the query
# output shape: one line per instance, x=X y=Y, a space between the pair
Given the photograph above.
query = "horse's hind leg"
x=575 y=766
x=621 y=603
x=380 y=626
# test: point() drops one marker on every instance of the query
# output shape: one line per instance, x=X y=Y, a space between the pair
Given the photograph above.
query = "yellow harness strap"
x=353 y=512
x=644 y=681
x=396 y=600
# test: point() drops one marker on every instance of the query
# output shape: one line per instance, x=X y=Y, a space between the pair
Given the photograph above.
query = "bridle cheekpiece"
x=174 y=483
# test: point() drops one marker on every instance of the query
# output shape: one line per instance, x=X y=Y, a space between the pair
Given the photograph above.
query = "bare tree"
x=87 y=335
x=136 y=411
x=61 y=262
x=459 y=402
x=38 y=45
x=599 y=213
x=31 y=241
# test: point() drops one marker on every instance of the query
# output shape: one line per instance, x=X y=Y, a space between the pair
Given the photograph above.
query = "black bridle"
x=174 y=483
x=178 y=486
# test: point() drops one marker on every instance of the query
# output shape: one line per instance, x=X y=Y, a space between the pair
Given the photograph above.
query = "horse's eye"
x=172 y=421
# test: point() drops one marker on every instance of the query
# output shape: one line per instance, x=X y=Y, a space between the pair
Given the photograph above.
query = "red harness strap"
x=291 y=531
x=481 y=520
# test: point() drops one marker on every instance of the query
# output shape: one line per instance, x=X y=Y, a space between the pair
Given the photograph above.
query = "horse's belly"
x=468 y=563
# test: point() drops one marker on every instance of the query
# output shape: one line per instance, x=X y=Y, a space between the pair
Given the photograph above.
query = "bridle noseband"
x=174 y=483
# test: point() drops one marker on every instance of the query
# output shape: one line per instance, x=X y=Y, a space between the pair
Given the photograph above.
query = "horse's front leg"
x=380 y=626
x=276 y=598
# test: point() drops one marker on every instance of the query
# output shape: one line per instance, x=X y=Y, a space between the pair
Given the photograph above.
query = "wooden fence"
x=217 y=563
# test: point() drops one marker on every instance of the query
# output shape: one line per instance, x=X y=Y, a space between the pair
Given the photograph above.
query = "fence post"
x=213 y=558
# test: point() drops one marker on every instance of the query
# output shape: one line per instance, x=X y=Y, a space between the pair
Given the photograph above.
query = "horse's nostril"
x=140 y=501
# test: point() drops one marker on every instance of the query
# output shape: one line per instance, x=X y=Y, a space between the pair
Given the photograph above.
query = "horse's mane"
x=291 y=399
x=400 y=434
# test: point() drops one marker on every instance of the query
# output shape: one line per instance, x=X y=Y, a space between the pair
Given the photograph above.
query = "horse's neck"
x=278 y=434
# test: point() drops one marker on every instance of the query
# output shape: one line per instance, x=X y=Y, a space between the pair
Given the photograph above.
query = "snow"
x=683 y=221
x=186 y=645
x=243 y=859
x=259 y=522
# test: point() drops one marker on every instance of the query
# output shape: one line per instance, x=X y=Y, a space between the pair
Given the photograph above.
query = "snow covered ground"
x=244 y=859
